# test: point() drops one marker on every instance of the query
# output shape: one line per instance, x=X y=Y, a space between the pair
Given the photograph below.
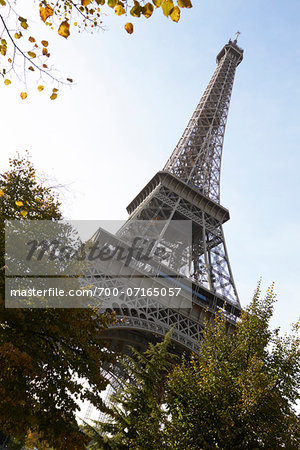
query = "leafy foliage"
x=240 y=392
x=49 y=358
x=63 y=16
x=136 y=413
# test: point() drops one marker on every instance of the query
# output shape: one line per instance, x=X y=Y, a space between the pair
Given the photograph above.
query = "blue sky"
x=132 y=97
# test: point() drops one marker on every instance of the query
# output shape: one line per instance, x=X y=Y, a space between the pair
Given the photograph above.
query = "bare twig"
x=27 y=58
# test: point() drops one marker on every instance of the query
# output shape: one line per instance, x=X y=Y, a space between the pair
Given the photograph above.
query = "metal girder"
x=188 y=188
x=197 y=156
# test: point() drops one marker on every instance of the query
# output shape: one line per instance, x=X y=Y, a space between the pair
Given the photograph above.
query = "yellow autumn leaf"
x=53 y=96
x=55 y=90
x=157 y=3
x=111 y=3
x=167 y=7
x=40 y=88
x=128 y=27
x=1 y=193
x=7 y=82
x=18 y=35
x=31 y=68
x=85 y=2
x=31 y=39
x=3 y=47
x=136 y=9
x=45 y=43
x=119 y=10
x=24 y=25
x=45 y=51
x=175 y=14
x=23 y=95
x=184 y=3
x=147 y=10
x=46 y=12
x=19 y=203
x=31 y=54
x=64 y=29
x=24 y=213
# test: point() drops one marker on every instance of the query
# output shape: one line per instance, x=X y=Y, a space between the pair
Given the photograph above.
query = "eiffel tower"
x=188 y=188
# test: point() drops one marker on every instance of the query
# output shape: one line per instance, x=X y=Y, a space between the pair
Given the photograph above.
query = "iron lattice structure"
x=196 y=159
x=188 y=188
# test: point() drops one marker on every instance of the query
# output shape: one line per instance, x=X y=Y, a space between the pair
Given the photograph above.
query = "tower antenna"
x=236 y=36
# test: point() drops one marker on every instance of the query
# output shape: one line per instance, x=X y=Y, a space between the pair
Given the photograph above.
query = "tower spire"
x=236 y=36
x=196 y=159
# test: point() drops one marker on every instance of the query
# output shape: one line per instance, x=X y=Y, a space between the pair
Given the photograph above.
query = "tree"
x=63 y=16
x=241 y=390
x=49 y=358
x=136 y=414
